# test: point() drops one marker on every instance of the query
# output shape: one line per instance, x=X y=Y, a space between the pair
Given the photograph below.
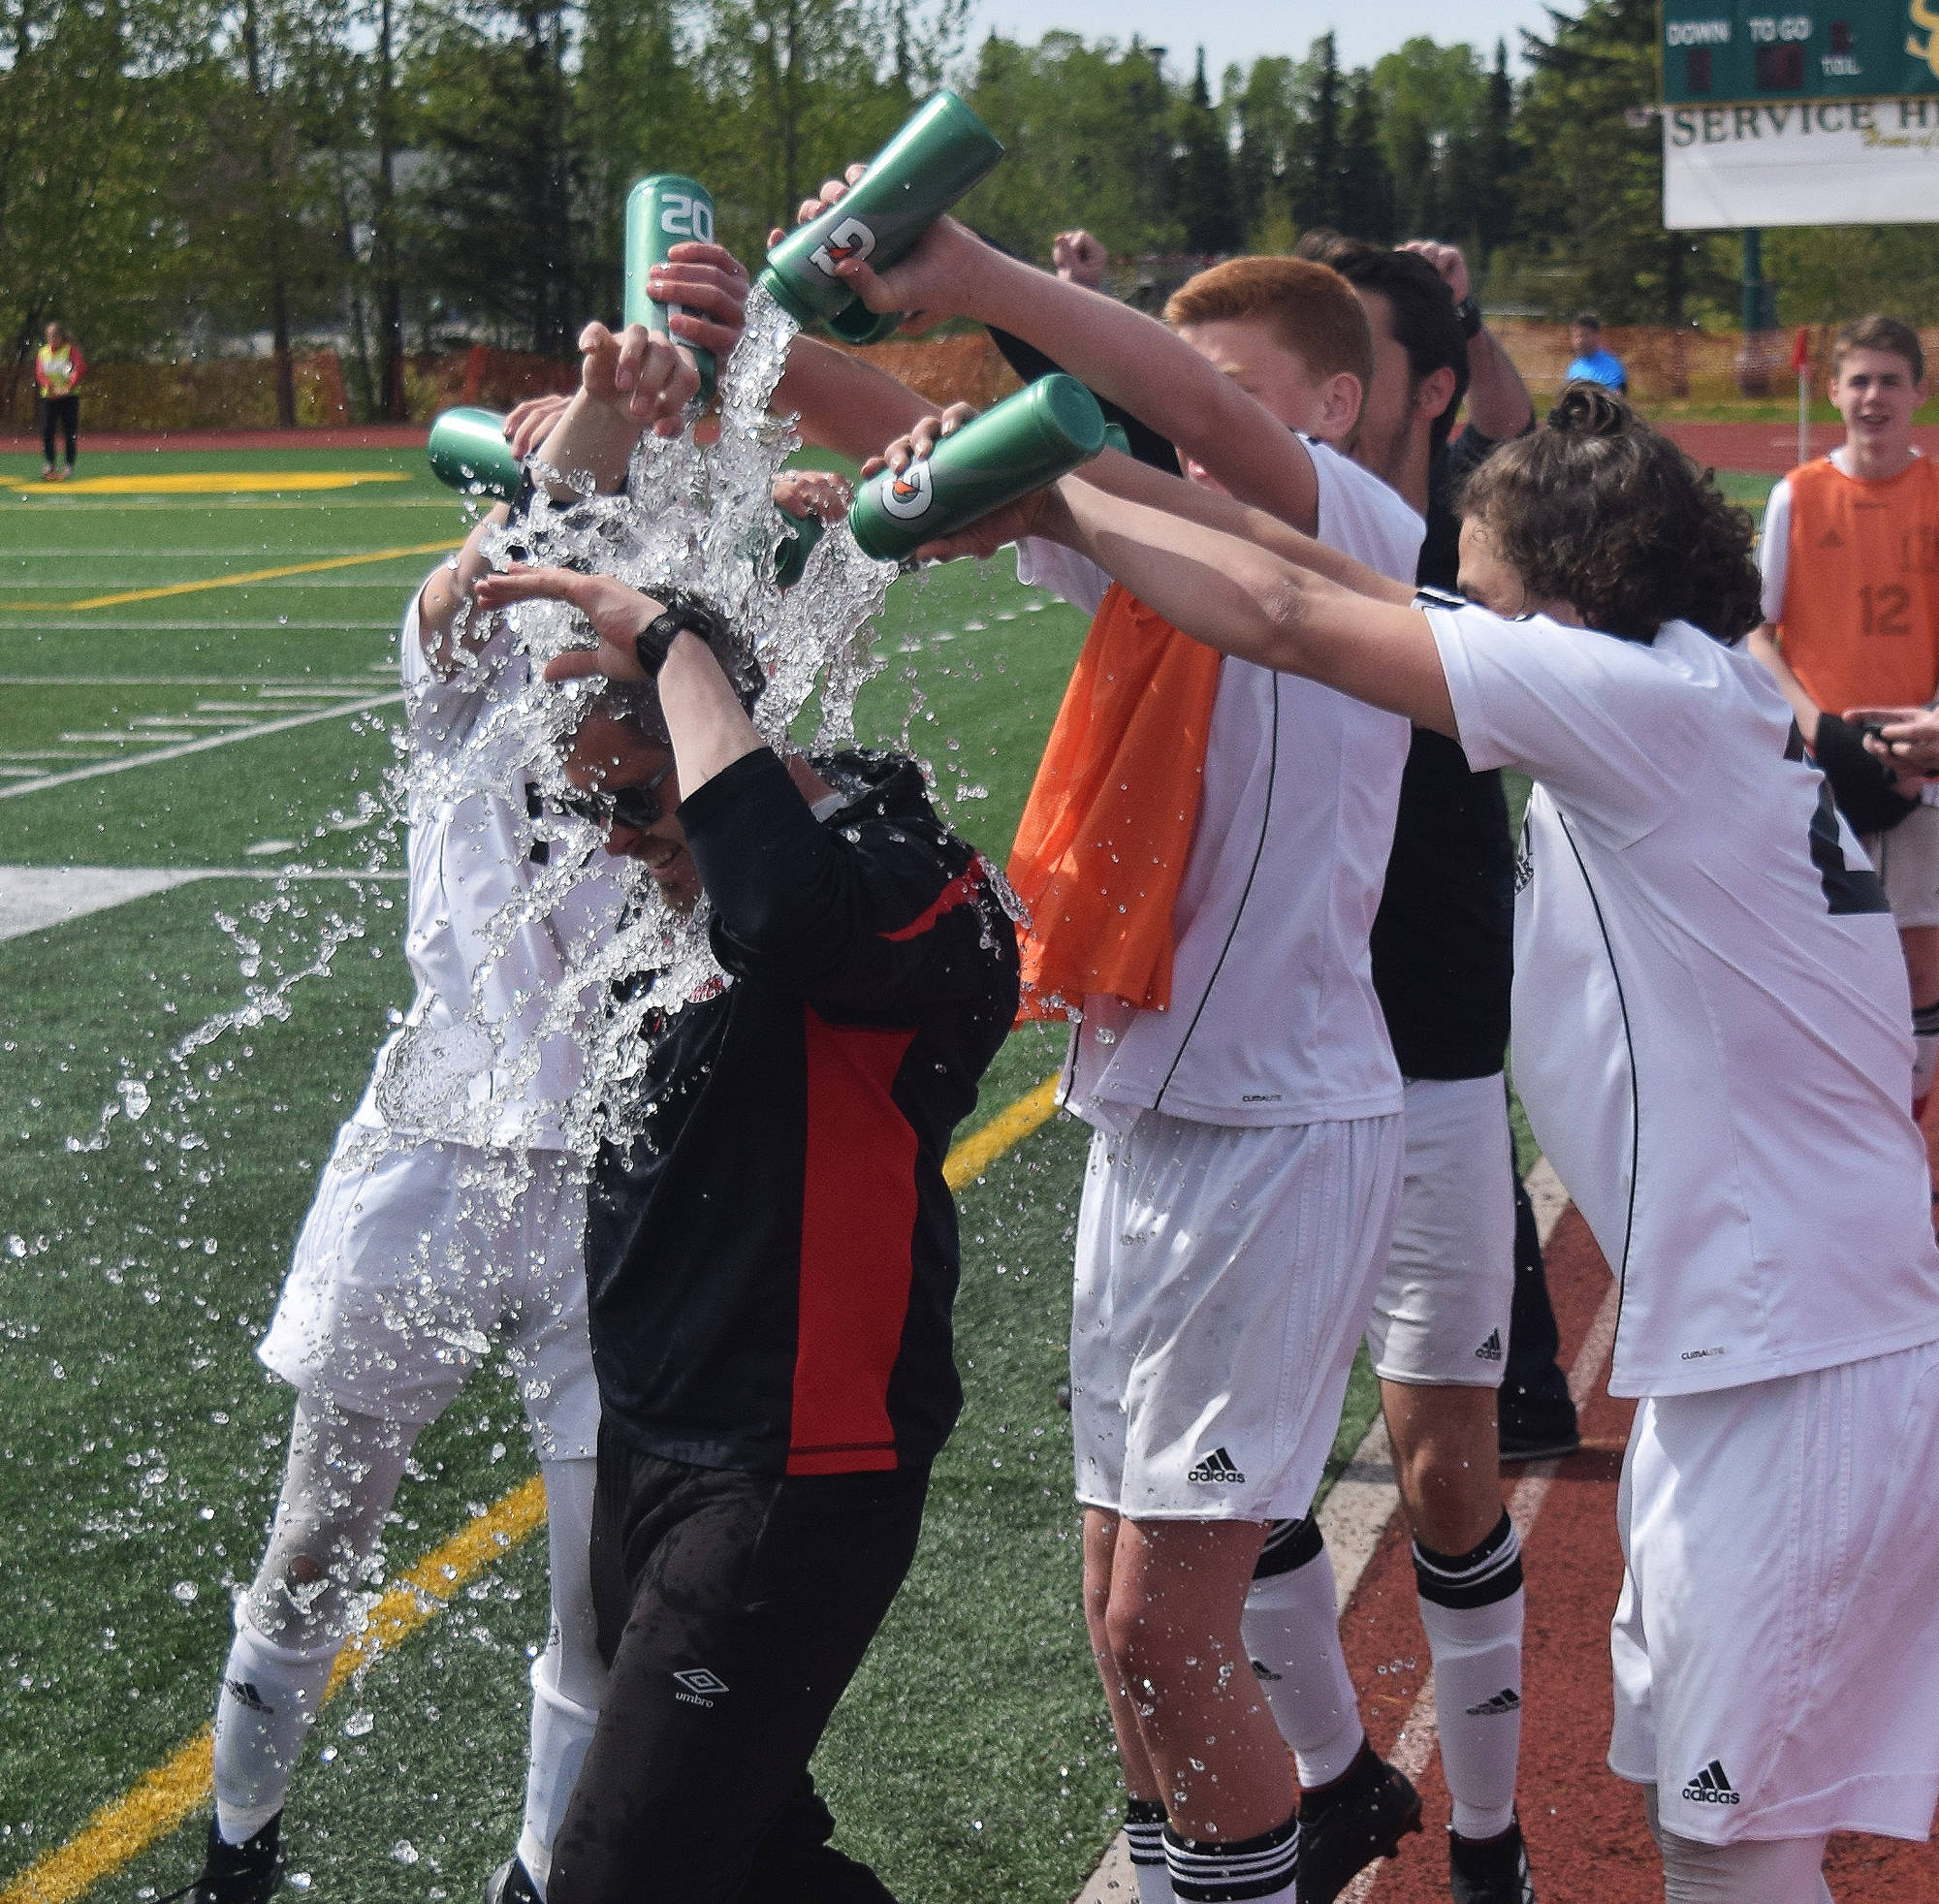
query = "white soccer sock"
x=1144 y=1833
x=270 y=1695
x=1471 y=1608
x=569 y=1677
x=1291 y=1628
x=1924 y=1050
x=1208 y=1871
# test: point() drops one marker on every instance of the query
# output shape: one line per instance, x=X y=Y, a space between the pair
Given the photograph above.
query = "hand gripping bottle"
x=468 y=450
x=663 y=211
x=1029 y=439
x=910 y=184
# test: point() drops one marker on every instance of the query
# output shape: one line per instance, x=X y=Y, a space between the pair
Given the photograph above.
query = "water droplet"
x=405 y=1852
x=359 y=1723
x=184 y=1591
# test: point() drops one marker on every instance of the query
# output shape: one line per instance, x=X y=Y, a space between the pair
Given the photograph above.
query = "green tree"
x=1204 y=198
x=1262 y=108
x=1591 y=193
x=1086 y=132
x=1365 y=200
x=1316 y=173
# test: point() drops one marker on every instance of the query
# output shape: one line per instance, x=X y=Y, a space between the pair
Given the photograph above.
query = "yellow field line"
x=235 y=582
x=158 y=1801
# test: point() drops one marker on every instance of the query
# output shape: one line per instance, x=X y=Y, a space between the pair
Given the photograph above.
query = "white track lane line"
x=178 y=752
x=1353 y=1517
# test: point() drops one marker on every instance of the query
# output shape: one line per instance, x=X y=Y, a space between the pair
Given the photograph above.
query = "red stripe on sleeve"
x=959 y=892
x=857 y=1230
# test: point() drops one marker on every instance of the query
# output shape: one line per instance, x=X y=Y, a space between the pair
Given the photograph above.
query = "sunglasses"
x=629 y=807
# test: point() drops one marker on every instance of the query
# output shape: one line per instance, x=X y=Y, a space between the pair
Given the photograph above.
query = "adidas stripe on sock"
x=1472 y=1609
x=1144 y=1833
x=1291 y=1628
x=1210 y=1871
x=268 y=1697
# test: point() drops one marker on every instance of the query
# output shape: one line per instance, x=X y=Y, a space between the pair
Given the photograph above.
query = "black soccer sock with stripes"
x=1292 y=1630
x=1221 y=1871
x=1144 y=1833
x=1471 y=1606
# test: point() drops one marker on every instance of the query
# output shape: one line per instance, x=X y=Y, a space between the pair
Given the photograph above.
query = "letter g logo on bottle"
x=909 y=495
x=851 y=238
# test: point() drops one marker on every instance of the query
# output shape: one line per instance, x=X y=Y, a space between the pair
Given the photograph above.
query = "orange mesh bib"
x=1860 y=625
x=1104 y=837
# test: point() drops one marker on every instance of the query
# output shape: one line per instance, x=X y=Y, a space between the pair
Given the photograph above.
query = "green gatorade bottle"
x=467 y=450
x=1016 y=446
x=663 y=211
x=942 y=151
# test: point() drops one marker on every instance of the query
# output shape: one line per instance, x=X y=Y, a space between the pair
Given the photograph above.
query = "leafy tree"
x=1085 y=130
x=1262 y=108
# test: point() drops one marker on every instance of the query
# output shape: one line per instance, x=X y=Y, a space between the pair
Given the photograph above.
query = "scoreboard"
x=1807 y=117
x=1744 y=50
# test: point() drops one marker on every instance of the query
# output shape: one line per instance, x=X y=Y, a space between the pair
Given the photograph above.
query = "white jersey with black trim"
x=1710 y=1006
x=1273 y=1017
x=460 y=1067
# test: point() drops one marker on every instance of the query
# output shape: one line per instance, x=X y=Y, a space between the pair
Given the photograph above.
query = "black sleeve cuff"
x=1861 y=783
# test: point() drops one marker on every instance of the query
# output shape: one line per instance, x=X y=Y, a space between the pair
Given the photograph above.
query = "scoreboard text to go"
x=1854 y=48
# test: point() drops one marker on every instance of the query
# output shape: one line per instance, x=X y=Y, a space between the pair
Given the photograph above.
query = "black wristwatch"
x=653 y=644
x=1470 y=314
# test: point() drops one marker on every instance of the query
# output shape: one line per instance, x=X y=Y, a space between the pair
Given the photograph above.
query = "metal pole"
x=1753 y=285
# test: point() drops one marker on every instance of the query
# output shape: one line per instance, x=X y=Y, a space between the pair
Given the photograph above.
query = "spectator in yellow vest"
x=59 y=368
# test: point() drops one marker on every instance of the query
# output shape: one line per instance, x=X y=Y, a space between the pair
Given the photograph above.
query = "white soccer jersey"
x=452 y=1072
x=1272 y=1017
x=1710 y=1006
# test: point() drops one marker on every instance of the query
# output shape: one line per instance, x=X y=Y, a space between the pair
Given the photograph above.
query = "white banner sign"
x=1792 y=162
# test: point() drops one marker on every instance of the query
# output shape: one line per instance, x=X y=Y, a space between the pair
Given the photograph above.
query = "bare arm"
x=1243 y=599
x=1130 y=360
x=1497 y=401
x=449 y=625
x=845 y=403
x=1763 y=642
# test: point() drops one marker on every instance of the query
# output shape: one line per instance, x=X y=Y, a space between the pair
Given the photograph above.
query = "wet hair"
x=1599 y=509
x=1586 y=321
x=1879 y=333
x=1425 y=323
x=1312 y=311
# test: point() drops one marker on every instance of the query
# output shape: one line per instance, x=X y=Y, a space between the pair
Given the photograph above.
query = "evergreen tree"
x=1315 y=197
x=1365 y=200
x=1263 y=110
x=1205 y=199
x=1592 y=188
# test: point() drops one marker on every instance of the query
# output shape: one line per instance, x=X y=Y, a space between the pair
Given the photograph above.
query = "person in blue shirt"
x=1592 y=363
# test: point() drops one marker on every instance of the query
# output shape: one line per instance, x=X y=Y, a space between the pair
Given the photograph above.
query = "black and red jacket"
x=773 y=1259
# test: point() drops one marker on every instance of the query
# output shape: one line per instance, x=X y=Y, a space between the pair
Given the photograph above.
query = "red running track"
x=1587 y=1842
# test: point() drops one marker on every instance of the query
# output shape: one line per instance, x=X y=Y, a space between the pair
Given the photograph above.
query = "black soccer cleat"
x=1490 y=1870
x=511 y=1884
x=1351 y=1821
x=247 y=1873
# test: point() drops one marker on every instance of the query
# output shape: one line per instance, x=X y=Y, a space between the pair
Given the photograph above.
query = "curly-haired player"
x=1710 y=1020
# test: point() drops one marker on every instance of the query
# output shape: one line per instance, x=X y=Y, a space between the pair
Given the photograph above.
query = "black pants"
x=64 y=411
x=1535 y=1402
x=734 y=1609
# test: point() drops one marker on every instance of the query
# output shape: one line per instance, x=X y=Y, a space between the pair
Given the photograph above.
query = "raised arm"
x=1497 y=401
x=1131 y=360
x=1244 y=599
x=845 y=403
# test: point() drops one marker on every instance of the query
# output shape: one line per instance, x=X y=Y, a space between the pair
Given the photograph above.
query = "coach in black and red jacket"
x=772 y=1263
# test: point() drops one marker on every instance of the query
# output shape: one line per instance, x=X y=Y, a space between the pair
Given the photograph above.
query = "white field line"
x=286 y=684
x=33 y=898
x=1354 y=1517
x=202 y=746
x=1420 y=1735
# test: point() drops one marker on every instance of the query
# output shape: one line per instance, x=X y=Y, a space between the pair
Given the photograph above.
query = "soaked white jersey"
x=1711 y=1016
x=474 y=1063
x=1272 y=1017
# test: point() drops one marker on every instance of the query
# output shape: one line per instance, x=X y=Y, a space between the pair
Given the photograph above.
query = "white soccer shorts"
x=1223 y=1277
x=1440 y=1315
x=1907 y=858
x=413 y=1261
x=1776 y=1646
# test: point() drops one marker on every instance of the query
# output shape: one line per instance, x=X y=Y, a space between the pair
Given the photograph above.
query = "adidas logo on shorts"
x=1711 y=1787
x=1503 y=1702
x=1216 y=1467
x=1491 y=1349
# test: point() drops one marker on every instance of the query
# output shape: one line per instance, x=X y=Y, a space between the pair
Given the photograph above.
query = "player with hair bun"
x=1711 y=1018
